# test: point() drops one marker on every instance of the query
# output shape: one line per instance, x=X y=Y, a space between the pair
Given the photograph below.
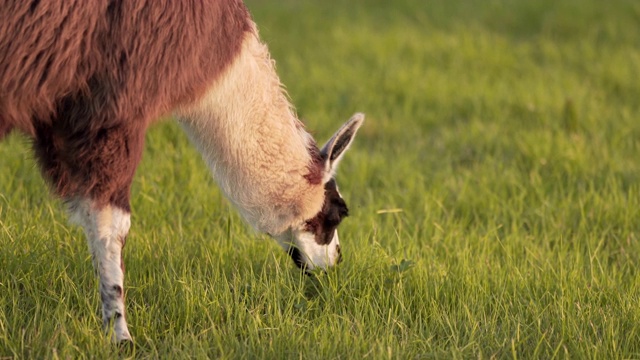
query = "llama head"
x=314 y=243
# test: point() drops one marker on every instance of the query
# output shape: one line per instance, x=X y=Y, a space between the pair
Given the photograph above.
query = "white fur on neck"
x=257 y=149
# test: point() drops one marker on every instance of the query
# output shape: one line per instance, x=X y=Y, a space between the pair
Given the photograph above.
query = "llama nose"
x=339 y=254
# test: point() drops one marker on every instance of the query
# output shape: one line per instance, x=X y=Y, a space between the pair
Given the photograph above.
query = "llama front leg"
x=106 y=228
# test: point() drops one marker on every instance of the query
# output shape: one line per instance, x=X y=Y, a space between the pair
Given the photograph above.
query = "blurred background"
x=494 y=192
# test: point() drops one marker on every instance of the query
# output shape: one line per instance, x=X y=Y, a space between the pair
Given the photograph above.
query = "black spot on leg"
x=118 y=290
x=109 y=294
x=107 y=321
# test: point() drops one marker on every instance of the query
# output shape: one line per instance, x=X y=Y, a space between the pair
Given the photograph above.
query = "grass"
x=507 y=134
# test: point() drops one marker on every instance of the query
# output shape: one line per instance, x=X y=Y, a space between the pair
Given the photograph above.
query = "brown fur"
x=334 y=209
x=84 y=78
x=316 y=167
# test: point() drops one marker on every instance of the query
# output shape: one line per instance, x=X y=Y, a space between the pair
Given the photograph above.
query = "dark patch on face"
x=334 y=209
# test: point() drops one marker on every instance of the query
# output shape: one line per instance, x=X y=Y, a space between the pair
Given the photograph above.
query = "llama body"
x=84 y=79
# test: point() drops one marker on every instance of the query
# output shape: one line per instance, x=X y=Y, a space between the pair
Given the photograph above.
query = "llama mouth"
x=298 y=258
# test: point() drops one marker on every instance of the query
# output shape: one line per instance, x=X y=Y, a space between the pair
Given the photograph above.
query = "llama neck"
x=259 y=152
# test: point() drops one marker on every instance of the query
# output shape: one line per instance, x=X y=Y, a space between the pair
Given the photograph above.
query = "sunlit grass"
x=494 y=194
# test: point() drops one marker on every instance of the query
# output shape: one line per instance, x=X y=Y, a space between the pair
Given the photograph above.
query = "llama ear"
x=333 y=150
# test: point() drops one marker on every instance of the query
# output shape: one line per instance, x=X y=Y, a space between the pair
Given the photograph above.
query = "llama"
x=84 y=79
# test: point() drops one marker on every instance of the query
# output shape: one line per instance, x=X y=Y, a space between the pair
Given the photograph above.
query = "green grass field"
x=494 y=194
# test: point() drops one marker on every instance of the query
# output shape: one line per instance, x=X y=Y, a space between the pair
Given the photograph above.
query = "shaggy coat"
x=85 y=75
x=84 y=78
